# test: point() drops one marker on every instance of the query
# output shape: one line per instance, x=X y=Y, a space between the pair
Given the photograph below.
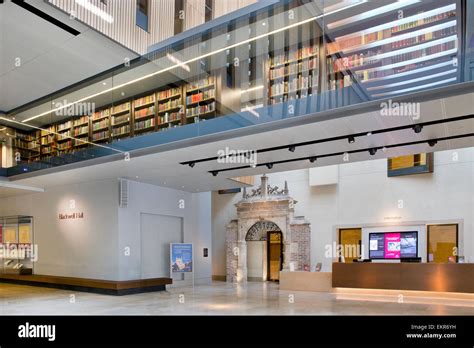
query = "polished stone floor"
x=221 y=298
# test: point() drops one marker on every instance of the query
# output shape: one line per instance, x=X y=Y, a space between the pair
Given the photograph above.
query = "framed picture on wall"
x=410 y=164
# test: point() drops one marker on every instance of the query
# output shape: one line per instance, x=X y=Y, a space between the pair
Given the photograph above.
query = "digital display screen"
x=393 y=245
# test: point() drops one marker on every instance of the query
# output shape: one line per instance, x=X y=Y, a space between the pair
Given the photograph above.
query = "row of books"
x=169 y=117
x=121 y=108
x=358 y=60
x=305 y=66
x=81 y=130
x=47 y=139
x=65 y=145
x=194 y=98
x=100 y=135
x=352 y=41
x=121 y=130
x=145 y=100
x=145 y=124
x=294 y=55
x=200 y=83
x=340 y=82
x=81 y=121
x=120 y=119
x=145 y=112
x=48 y=131
x=64 y=126
x=201 y=109
x=101 y=114
x=169 y=93
x=101 y=124
x=64 y=135
x=172 y=103
x=422 y=38
x=294 y=85
x=289 y=97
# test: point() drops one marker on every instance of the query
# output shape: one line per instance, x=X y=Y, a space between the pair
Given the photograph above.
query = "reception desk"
x=404 y=276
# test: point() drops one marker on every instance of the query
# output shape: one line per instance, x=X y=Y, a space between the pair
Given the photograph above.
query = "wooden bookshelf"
x=64 y=141
x=81 y=131
x=48 y=142
x=27 y=145
x=200 y=100
x=171 y=106
x=144 y=116
x=294 y=72
x=100 y=123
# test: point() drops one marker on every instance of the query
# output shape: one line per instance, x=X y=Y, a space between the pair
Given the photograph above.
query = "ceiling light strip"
x=223 y=49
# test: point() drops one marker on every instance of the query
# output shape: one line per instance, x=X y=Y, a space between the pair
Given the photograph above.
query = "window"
x=142 y=14
x=178 y=16
x=443 y=243
x=208 y=10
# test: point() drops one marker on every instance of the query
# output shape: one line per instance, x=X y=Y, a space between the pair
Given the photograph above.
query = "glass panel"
x=289 y=59
x=442 y=243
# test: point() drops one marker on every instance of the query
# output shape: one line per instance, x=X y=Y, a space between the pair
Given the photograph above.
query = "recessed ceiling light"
x=104 y=83
x=351 y=139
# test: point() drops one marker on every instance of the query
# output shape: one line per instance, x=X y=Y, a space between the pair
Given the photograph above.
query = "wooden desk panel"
x=405 y=276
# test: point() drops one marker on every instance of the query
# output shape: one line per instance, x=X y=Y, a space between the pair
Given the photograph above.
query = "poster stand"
x=180 y=255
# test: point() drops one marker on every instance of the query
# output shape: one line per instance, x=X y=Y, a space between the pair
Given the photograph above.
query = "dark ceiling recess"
x=45 y=16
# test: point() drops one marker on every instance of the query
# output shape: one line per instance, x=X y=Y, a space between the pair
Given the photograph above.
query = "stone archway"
x=274 y=207
x=264 y=251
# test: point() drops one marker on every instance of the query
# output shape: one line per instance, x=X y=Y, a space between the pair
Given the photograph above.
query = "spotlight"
x=292 y=148
x=351 y=139
x=372 y=151
x=312 y=159
x=269 y=165
x=418 y=128
x=214 y=173
x=432 y=142
x=192 y=164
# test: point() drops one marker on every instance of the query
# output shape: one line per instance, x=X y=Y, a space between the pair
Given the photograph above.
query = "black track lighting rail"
x=349 y=137
x=371 y=150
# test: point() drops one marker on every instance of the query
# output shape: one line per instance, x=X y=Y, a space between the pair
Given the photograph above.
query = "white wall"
x=85 y=247
x=150 y=199
x=366 y=197
x=95 y=246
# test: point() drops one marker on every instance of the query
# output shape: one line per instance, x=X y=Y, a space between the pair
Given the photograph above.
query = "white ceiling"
x=51 y=58
x=163 y=168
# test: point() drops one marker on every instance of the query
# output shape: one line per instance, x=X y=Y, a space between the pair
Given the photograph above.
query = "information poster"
x=392 y=246
x=181 y=257
x=24 y=234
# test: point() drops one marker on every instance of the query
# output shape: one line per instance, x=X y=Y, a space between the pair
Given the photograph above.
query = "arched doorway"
x=264 y=251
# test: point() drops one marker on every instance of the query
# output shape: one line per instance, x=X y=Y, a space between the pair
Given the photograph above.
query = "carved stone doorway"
x=266 y=209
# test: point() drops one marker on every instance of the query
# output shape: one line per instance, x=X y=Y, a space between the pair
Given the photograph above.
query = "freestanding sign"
x=181 y=258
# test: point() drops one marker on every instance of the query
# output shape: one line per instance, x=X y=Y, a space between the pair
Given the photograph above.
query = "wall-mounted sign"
x=71 y=216
x=181 y=255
